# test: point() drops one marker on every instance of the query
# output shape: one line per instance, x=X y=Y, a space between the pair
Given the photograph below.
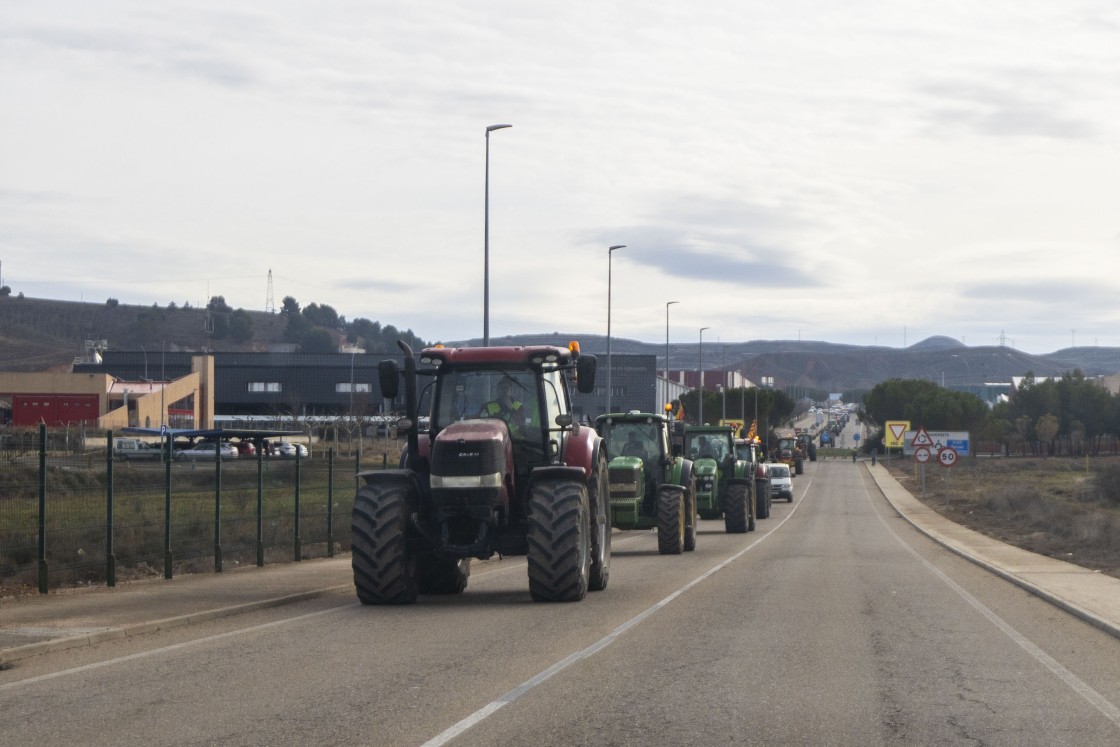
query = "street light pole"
x=486 y=241
x=723 y=375
x=667 y=305
x=701 y=407
x=610 y=256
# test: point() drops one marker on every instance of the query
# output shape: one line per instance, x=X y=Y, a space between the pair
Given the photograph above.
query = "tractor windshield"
x=510 y=395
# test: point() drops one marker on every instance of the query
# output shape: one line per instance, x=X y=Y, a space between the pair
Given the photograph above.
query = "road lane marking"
x=1082 y=688
x=502 y=701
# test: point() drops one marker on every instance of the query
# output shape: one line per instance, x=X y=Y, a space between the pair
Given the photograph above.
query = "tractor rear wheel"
x=386 y=568
x=762 y=498
x=559 y=554
x=670 y=520
x=598 y=494
x=690 y=517
x=737 y=509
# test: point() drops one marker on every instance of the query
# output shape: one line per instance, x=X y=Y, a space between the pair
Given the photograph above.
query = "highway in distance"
x=834 y=623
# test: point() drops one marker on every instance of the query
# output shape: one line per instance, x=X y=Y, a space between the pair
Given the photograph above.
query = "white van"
x=781 y=482
x=127 y=449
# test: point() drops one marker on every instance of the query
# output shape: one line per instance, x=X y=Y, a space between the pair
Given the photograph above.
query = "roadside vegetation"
x=1065 y=508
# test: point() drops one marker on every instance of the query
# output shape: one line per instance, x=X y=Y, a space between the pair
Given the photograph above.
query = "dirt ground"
x=1051 y=506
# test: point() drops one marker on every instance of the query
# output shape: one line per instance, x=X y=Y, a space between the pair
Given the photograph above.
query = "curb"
x=127 y=631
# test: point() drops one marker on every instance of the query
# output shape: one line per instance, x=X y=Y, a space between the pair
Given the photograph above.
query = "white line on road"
x=492 y=707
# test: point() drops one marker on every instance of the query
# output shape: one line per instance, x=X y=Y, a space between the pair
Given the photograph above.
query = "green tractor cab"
x=724 y=482
x=650 y=488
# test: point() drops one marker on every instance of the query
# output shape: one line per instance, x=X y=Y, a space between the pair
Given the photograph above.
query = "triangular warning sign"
x=897 y=429
x=922 y=438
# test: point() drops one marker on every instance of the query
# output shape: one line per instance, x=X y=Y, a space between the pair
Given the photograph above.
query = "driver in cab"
x=508 y=408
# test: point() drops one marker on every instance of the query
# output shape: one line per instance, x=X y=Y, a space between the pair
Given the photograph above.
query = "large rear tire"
x=691 y=519
x=598 y=494
x=559 y=553
x=386 y=568
x=737 y=509
x=670 y=520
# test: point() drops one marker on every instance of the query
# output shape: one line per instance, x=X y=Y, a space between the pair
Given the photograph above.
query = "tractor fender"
x=406 y=477
x=557 y=472
x=582 y=449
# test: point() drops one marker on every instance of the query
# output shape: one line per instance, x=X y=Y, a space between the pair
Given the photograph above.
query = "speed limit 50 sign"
x=947 y=456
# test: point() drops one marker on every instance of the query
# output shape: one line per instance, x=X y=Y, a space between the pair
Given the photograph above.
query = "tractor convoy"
x=495 y=463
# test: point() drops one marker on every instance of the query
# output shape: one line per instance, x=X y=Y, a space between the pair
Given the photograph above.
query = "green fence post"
x=330 y=502
x=42 y=507
x=299 y=548
x=218 y=507
x=110 y=558
x=260 y=503
x=167 y=557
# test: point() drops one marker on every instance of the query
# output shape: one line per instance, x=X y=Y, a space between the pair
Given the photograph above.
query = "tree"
x=241 y=326
x=323 y=316
x=112 y=303
x=317 y=341
x=289 y=306
x=218 y=303
x=5 y=290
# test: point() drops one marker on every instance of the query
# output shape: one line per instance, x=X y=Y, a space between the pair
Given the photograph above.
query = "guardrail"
x=71 y=518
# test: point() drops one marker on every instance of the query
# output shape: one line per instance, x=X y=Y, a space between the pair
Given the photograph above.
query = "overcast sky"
x=865 y=172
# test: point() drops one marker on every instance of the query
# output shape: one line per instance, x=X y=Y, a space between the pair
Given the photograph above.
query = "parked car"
x=781 y=481
x=205 y=450
x=128 y=449
x=245 y=448
x=287 y=450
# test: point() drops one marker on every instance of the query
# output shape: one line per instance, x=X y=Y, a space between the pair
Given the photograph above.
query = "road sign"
x=922 y=438
x=921 y=454
x=895 y=430
x=947 y=457
x=856 y=438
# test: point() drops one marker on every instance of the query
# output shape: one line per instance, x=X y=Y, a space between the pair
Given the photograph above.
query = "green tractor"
x=649 y=487
x=724 y=482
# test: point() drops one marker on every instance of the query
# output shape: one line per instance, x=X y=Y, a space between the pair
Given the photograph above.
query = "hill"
x=39 y=335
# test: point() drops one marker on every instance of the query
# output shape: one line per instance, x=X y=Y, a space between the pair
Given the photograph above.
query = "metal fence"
x=71 y=515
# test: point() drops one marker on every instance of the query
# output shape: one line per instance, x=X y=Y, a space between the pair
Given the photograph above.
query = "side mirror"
x=585 y=374
x=389 y=376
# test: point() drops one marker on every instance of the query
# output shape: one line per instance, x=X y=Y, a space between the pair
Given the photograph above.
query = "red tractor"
x=502 y=468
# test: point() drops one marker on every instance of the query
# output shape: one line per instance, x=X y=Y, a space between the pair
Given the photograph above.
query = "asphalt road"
x=834 y=623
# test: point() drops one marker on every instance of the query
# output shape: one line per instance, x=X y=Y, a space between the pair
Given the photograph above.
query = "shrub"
x=1108 y=485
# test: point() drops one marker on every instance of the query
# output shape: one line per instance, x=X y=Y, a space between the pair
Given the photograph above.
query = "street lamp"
x=701 y=408
x=667 y=305
x=486 y=242
x=610 y=256
x=723 y=375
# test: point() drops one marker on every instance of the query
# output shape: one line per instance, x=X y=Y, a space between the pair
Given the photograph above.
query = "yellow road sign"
x=894 y=431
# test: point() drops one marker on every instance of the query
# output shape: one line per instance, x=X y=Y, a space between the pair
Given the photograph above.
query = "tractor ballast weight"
x=502 y=467
x=724 y=483
x=650 y=488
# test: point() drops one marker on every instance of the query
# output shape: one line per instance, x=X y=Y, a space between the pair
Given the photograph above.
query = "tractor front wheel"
x=598 y=495
x=670 y=520
x=690 y=517
x=737 y=509
x=386 y=568
x=559 y=553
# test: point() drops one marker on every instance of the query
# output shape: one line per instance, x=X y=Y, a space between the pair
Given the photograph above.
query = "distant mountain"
x=39 y=335
x=937 y=342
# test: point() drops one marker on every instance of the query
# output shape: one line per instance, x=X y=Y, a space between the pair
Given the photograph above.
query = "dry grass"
x=1065 y=508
